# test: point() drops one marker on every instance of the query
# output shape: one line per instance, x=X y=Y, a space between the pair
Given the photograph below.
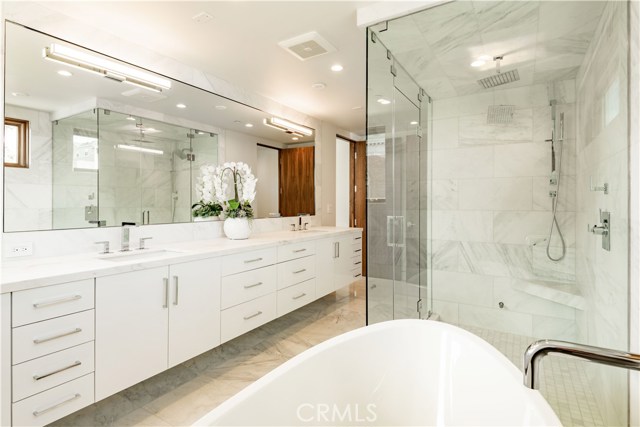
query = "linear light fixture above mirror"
x=105 y=68
x=288 y=127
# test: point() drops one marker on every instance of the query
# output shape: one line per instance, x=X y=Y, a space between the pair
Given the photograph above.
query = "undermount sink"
x=137 y=255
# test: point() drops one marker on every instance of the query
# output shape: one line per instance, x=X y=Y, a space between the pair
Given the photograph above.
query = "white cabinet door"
x=194 y=309
x=343 y=262
x=325 y=258
x=131 y=328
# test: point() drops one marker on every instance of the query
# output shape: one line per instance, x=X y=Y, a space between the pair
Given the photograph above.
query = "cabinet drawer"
x=245 y=261
x=42 y=338
x=296 y=271
x=296 y=250
x=357 y=248
x=40 y=304
x=242 y=318
x=55 y=403
x=357 y=272
x=357 y=238
x=242 y=287
x=296 y=296
x=49 y=371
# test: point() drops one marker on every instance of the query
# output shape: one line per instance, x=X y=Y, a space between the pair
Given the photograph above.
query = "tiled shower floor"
x=563 y=381
x=183 y=394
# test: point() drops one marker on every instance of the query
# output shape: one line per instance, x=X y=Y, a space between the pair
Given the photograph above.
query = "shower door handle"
x=390 y=225
x=402 y=232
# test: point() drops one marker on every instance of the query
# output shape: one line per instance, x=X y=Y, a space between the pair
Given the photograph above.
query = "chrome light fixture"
x=288 y=127
x=105 y=68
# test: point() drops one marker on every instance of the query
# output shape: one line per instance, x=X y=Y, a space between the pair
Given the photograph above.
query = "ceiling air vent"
x=307 y=46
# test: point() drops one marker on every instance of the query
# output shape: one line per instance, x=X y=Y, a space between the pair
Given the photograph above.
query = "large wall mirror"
x=85 y=148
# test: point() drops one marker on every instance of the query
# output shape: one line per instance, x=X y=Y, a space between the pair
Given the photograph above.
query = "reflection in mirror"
x=102 y=152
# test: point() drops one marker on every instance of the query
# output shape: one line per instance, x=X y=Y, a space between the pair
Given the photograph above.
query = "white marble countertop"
x=21 y=274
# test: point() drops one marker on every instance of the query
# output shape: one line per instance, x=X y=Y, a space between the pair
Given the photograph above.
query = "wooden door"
x=297 y=185
x=358 y=199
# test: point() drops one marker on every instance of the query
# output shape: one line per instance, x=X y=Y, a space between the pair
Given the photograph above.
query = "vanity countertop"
x=21 y=274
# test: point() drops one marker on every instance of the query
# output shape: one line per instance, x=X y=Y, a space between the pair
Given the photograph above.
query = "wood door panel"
x=297 y=185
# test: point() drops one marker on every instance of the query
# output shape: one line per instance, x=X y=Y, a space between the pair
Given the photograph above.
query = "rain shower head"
x=500 y=114
x=499 y=78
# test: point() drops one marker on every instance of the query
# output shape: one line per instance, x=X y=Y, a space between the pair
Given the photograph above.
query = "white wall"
x=268 y=187
x=342 y=182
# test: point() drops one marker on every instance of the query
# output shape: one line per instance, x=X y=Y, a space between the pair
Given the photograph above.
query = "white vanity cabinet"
x=337 y=262
x=150 y=320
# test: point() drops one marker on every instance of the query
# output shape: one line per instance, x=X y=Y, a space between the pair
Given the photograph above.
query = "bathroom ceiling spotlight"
x=65 y=73
x=288 y=127
x=220 y=107
x=413 y=123
x=248 y=125
x=295 y=138
x=130 y=117
x=337 y=67
x=181 y=105
x=105 y=67
x=478 y=63
x=384 y=101
x=319 y=85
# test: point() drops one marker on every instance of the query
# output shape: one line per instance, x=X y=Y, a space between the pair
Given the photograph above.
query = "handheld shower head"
x=184 y=153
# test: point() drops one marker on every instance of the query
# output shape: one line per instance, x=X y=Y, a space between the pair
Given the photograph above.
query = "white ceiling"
x=544 y=40
x=240 y=45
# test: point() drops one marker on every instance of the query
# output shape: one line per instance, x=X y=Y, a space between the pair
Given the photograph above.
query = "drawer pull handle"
x=358 y=238
x=358 y=250
x=300 y=296
x=165 y=301
x=53 y=301
x=56 y=405
x=177 y=290
x=357 y=262
x=300 y=271
x=73 y=365
x=300 y=250
x=53 y=337
x=252 y=316
x=358 y=275
x=252 y=260
x=252 y=286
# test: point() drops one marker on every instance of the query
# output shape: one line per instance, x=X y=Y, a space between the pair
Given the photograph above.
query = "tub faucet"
x=126 y=228
x=539 y=349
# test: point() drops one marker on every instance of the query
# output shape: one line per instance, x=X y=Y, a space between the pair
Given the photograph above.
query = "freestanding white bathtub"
x=402 y=372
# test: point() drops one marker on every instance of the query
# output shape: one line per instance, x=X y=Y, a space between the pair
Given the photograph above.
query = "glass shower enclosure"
x=397 y=132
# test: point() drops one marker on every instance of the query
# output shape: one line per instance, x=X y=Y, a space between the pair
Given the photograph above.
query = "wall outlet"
x=24 y=249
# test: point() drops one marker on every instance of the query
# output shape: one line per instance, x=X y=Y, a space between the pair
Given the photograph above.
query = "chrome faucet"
x=126 y=228
x=539 y=349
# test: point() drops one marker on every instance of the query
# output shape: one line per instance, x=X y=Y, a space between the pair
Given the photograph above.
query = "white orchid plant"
x=208 y=205
x=244 y=188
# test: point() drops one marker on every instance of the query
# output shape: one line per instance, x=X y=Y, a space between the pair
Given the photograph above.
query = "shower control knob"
x=601 y=230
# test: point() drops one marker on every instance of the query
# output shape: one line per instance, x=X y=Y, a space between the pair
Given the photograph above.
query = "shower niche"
x=109 y=168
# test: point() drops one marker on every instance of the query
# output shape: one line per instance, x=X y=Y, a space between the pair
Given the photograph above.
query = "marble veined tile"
x=470 y=162
x=476 y=127
x=521 y=302
x=515 y=227
x=462 y=288
x=463 y=225
x=524 y=159
x=497 y=194
x=493 y=16
x=496 y=319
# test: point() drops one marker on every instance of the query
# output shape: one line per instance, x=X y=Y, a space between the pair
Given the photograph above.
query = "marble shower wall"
x=602 y=154
x=492 y=211
x=28 y=190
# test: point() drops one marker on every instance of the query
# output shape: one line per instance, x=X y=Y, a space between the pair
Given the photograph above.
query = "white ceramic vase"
x=205 y=218
x=237 y=228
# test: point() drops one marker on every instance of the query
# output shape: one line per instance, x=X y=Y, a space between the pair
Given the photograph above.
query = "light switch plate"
x=23 y=249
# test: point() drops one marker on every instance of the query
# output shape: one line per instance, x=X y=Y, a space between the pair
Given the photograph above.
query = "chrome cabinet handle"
x=53 y=337
x=300 y=271
x=58 y=300
x=252 y=260
x=338 y=246
x=39 y=412
x=175 y=297
x=358 y=238
x=252 y=316
x=165 y=281
x=358 y=275
x=299 y=296
x=335 y=249
x=73 y=365
x=357 y=262
x=357 y=250
x=252 y=286
x=300 y=250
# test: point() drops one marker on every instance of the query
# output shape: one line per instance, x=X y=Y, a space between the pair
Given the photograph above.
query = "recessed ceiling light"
x=131 y=118
x=295 y=138
x=221 y=107
x=65 y=73
x=181 y=106
x=384 y=101
x=480 y=61
x=249 y=125
x=337 y=67
x=319 y=85
x=413 y=123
